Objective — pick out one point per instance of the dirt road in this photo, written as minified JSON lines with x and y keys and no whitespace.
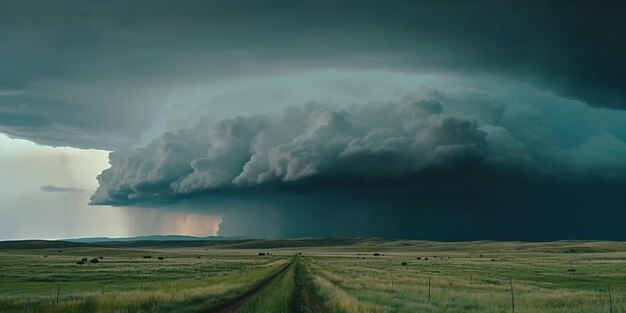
{"x":232,"y":305}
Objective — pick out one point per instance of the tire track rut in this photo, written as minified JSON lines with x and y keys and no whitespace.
{"x":232,"y":305}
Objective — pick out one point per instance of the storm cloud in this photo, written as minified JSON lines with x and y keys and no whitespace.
{"x":107,"y":64}
{"x":429,"y":129}
{"x":379,"y":141}
{"x":420,"y":119}
{"x":385,"y":168}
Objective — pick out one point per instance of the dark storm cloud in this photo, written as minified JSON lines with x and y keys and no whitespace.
{"x":4,"y":91}
{"x":445,"y":165}
{"x":62,"y":123}
{"x":375,"y":142}
{"x":50,"y":188}
{"x":466,"y":202}
{"x":453,"y":164}
{"x":108,"y":59}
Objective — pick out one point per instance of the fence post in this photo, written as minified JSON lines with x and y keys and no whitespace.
{"x":428,"y":289}
{"x":610,"y":298}
{"x":512,"y":297}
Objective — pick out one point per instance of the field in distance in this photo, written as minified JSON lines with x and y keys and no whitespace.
{"x":312,"y":275}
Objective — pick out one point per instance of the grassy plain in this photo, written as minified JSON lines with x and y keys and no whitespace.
{"x":125,"y":281}
{"x":353,"y":275}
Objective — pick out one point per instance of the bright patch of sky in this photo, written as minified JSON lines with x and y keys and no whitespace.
{"x":44,"y":193}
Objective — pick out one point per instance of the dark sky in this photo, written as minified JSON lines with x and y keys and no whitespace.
{"x":448,"y":120}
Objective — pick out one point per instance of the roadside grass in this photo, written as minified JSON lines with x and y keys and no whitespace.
{"x":181,"y":282}
{"x":547,"y":284}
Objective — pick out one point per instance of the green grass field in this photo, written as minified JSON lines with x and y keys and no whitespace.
{"x":356,"y":275}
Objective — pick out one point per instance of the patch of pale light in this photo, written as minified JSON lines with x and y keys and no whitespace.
{"x":193,"y":225}
{"x":146,"y":221}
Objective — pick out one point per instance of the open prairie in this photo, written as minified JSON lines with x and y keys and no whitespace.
{"x":313,"y":275}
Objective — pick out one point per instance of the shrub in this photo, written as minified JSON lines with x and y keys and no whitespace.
{"x":94,"y":260}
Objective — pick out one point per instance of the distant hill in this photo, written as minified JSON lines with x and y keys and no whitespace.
{"x":175,"y":241}
{"x":151,"y":238}
{"x":328,"y":244}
